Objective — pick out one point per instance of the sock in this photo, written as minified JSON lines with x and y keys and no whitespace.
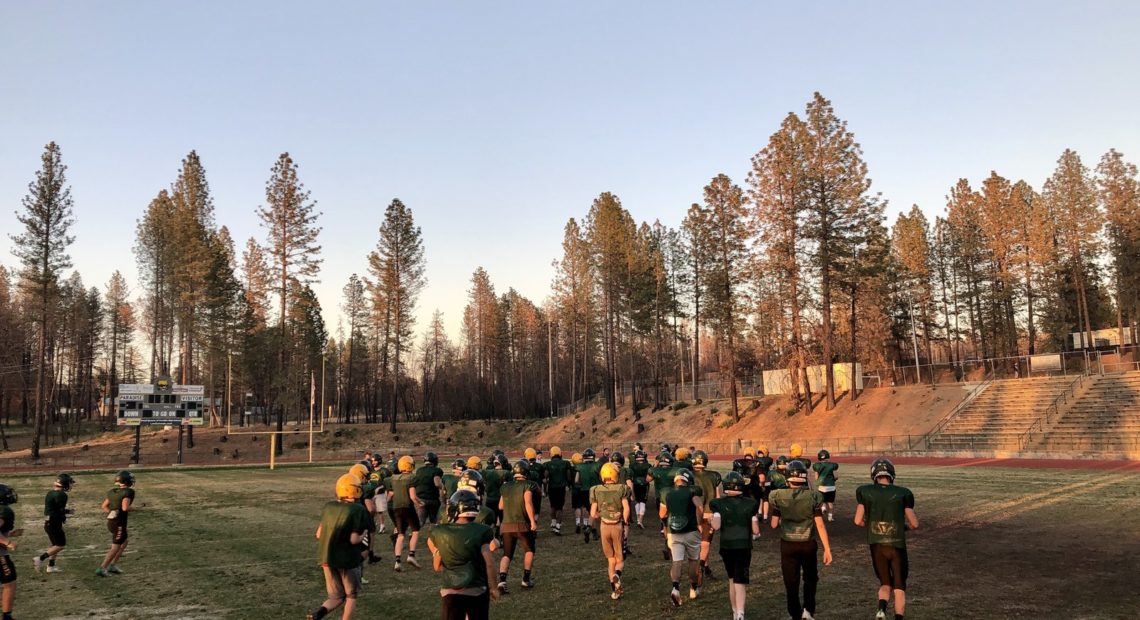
{"x":321,"y":612}
{"x":618,"y":573}
{"x":51,"y":562}
{"x":44,"y":556}
{"x":694,"y":585}
{"x":412,"y":553}
{"x":882,"y":604}
{"x":526,"y":575}
{"x":676,"y":585}
{"x":7,"y":615}
{"x":898,"y":617}
{"x":502,"y":577}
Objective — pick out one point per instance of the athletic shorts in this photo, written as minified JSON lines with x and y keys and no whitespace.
{"x":429,"y":513}
{"x":381,"y":502}
{"x":466,"y":607}
{"x":406,"y":518}
{"x":891,"y":565}
{"x":342,"y":583}
{"x":611,"y":536}
{"x":640,"y":493}
{"x":524,"y":539}
{"x":736,"y":563}
{"x":684,"y":546}
{"x":557,"y":498}
{"x":118,"y":529}
{"x":55,"y":533}
{"x":7,"y":569}
{"x":580,"y":499}
{"x":829,"y":496}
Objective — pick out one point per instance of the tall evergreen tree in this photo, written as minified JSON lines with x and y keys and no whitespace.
{"x":727,"y":232}
{"x":1120,"y":196}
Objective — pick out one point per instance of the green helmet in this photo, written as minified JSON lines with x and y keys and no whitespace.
{"x":459,"y":464}
{"x":125,"y":478}
{"x":588,"y":454}
{"x":664,"y":460}
{"x":432,"y":457}
{"x":685,"y":476}
{"x":882,"y":467}
{"x":463,"y":503}
{"x":619,"y":458}
{"x":501,"y":461}
{"x":781,"y":462}
{"x":733,"y":481}
{"x":472,"y":481}
{"x":824,"y":455}
{"x":64,"y":481}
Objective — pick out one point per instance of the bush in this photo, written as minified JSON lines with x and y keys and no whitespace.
{"x":714,"y":410}
{"x":660,"y":420}
{"x":679,"y":405}
{"x":727,"y":423}
{"x":614,"y":431}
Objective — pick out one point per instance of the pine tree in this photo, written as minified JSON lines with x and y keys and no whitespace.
{"x":695,"y":228}
{"x":118,"y":330}
{"x":911,"y":250}
{"x":42,"y":251}
{"x":355,"y":311}
{"x":727,"y":233}
{"x":1120,"y":197}
{"x":610,"y":233}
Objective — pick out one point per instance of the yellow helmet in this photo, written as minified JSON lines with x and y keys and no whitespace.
{"x":474,"y":462}
{"x":360,"y":471}
{"x":529,"y":454}
{"x":750,"y":451}
{"x":682,"y":453}
{"x":348,"y":487}
{"x":406,"y":464}
{"x":555,"y":451}
{"x":610,"y":472}
{"x":576,"y":458}
{"x":763,"y":451}
{"x":796,"y":451}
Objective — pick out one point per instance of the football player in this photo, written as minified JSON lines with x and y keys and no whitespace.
{"x":520,"y":525}
{"x":461,"y":551}
{"x":343,"y":525}
{"x":734,"y":516}
{"x":609,"y":505}
{"x":8,"y":531}
{"x":381,"y":475}
{"x":493,"y":482}
{"x":887,"y":510}
{"x":662,"y":474}
{"x":825,"y":478}
{"x":116,"y":506}
{"x":764,"y":465}
{"x":579,"y":498}
{"x":536,"y":474}
{"x":589,"y":476}
{"x":796,"y":511}
{"x":55,"y":514}
{"x":639,"y":481}
{"x":558,"y":475}
{"x":405,"y":503}
{"x":680,"y":508}
{"x":451,"y":480}
{"x":709,"y":483}
{"x":429,"y":487}
{"x":796,"y":452}
{"x":681,"y":458}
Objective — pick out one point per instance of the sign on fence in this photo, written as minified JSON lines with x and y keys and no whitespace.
{"x":1045,"y":363}
{"x":780,"y":381}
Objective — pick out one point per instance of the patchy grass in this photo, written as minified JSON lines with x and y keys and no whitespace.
{"x":239,"y":544}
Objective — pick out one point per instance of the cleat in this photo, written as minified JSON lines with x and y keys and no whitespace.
{"x":807,"y":616}
{"x":675,"y":597}
{"x":578,"y":529}
{"x":36,"y":561}
{"x":310,"y":616}
{"x":114,"y":570}
{"x":503,"y":588}
{"x":363,"y":580}
{"x":694,"y":593}
{"x":527,"y":583}
{"x":99,"y":572}
{"x":54,"y":569}
{"x":830,"y":516}
{"x":397,"y":567}
{"x":881,"y":615}
{"x":615,"y":583}
{"x":383,"y":528}
{"x":640,"y":525}
{"x":587,"y":536}
{"x":412,"y":560}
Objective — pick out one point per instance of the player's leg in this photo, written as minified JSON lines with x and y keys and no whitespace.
{"x":900,"y":567}
{"x":528,"y":539}
{"x":809,"y":560}
{"x":706,"y":544}
{"x":400,"y":528}
{"x":334,"y":587}
{"x":881,"y":564}
{"x":510,"y":541}
{"x":790,"y":569}
{"x":8,"y":579}
{"x":351,"y":579}
{"x":676,"y":552}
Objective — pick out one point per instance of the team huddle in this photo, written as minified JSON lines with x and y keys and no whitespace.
{"x":478,"y":510}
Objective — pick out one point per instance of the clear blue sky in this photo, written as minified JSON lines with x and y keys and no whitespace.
{"x":497,"y":121}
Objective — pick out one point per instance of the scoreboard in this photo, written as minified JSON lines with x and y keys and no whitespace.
{"x":162,"y":403}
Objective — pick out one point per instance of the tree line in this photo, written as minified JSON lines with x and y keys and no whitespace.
{"x":794,"y":267}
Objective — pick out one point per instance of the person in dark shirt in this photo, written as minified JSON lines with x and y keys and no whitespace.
{"x":339,"y":539}
{"x":8,"y":531}
{"x":117,"y":506}
{"x":461,"y":553}
{"x":887,"y":511}
{"x":55,"y":513}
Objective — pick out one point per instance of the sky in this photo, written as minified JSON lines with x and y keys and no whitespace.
{"x":496,"y":122}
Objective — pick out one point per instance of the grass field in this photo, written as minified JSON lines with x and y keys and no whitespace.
{"x":993,"y":543}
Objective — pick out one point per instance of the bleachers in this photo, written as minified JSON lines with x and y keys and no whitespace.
{"x":1106,"y":419}
{"x":997,"y":418}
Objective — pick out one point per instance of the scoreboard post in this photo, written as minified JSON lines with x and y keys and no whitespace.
{"x":162,"y":403}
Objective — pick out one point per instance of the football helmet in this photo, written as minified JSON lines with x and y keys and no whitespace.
{"x":588,"y":454}
{"x":610,"y":472}
{"x":530,"y":454}
{"x":700,"y":459}
{"x":348,"y":487}
{"x":796,"y":473}
{"x":619,"y":458}
{"x":681,"y":454}
{"x":474,"y":462}
{"x":521,"y":468}
{"x":64,"y":481}
{"x":502,"y":462}
{"x":823,"y":455}
{"x":781,"y":462}
{"x":576,"y":458}
{"x":406,"y":464}
{"x":125,"y":478}
{"x":555,"y":451}
{"x":733,"y":482}
{"x":796,"y":450}
{"x":459,"y":464}
{"x":432,"y":457}
{"x":882,"y":467}
{"x":472,"y":481}
{"x":8,"y":495}
{"x":463,"y":503}
{"x":683,"y":478}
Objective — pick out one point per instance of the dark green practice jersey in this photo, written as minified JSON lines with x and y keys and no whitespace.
{"x":460,"y":548}
{"x":514,"y":505}
{"x":401,"y":483}
{"x":826,"y":471}
{"x":339,"y":520}
{"x":558,"y":473}
{"x":884,"y":508}
{"x":425,"y":477}
{"x":684,"y":464}
{"x":776,"y":479}
{"x":736,"y":512}
{"x":638,"y":472}
{"x":493,"y":481}
{"x":660,"y":484}
{"x":9,"y":520}
{"x":797,"y":509}
{"x":708,"y":481}
{"x":681,"y":514}
{"x":536,"y":473}
{"x":609,"y":498}
{"x":764,"y":465}
{"x":805,"y":460}
{"x":55,"y":505}
{"x":450,"y":483}
{"x":116,"y":495}
{"x":589,"y":474}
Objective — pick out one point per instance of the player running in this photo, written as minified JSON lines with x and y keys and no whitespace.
{"x":520,"y":525}
{"x":343,"y":525}
{"x":429,"y":486}
{"x":734,"y":515}
{"x":609,"y":505}
{"x":116,"y":506}
{"x":579,"y":498}
{"x":825,"y":478}
{"x":887,"y":511}
{"x":639,"y":479}
{"x":493,"y":481}
{"x":589,"y":476}
{"x":709,"y":483}
{"x":796,"y":511}
{"x":536,"y":474}
{"x":405,"y":503}
{"x":558,"y":477}
{"x":8,"y":531}
{"x":461,"y":552}
{"x":458,"y":466}
{"x":680,"y":508}
{"x":380,"y":477}
{"x":55,"y":514}
{"x":764,"y":464}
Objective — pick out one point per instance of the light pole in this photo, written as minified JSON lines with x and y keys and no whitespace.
{"x":229,"y":387}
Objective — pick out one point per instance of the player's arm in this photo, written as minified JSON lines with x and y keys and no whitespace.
{"x":755,"y":526}
{"x":775,"y":514}
{"x":528,"y":503}
{"x":822,"y":527}
{"x":661,"y":509}
{"x":502,"y":506}
{"x":860,"y":512}
{"x":125,"y":505}
{"x":593,"y":509}
{"x":625,"y":510}
{"x":105,"y":506}
{"x":699,"y":502}
{"x":415,"y":499}
{"x":911,"y":518}
{"x":356,"y":537}
{"x":491,"y":566}
{"x":436,"y":561}
{"x":439,"y":485}
{"x":370,"y":506}
{"x":714,"y":520}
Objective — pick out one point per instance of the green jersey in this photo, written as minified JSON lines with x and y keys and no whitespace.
{"x":425,"y":477}
{"x":826,"y":471}
{"x":638,"y":472}
{"x":558,"y":473}
{"x":460,"y":548}
{"x":764,"y":465}
{"x":55,"y":506}
{"x":450,"y":483}
{"x":493,"y":481}
{"x":680,"y":513}
{"x":797,"y":509}
{"x":116,"y":496}
{"x":486,"y":516}
{"x":537,"y":472}
{"x":661,"y":482}
{"x":589,"y":474}
{"x":708,"y":481}
{"x":884,"y":507}
{"x":401,"y":484}
{"x":736,"y":513}
{"x":7,"y":523}
{"x":684,"y":464}
{"x":610,"y":499}
{"x":339,"y":521}
{"x":514,"y":505}
{"x":777,"y":480}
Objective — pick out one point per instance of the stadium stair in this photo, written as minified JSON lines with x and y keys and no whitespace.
{"x":998,"y":417}
{"x":1104,"y":420}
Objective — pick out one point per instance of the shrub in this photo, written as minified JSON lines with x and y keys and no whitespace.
{"x":727,"y":423}
{"x":614,"y":431}
{"x":679,"y":405}
{"x":714,"y":410}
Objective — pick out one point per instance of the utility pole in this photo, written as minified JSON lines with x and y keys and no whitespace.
{"x":550,"y":361}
